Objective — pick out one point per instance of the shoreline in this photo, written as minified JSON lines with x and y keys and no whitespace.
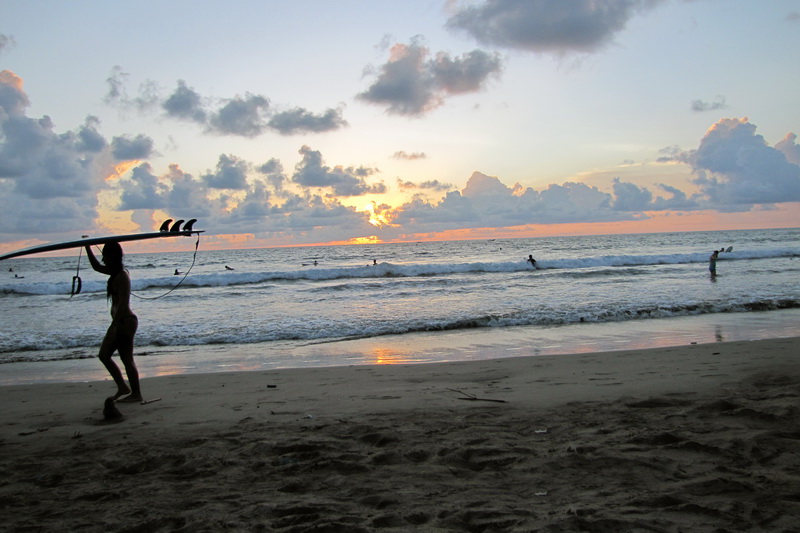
{"x":699,"y":437}
{"x":423,"y":347}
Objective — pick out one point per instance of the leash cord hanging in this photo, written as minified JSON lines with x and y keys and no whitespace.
{"x":76,"y":279}
{"x":194,"y":258}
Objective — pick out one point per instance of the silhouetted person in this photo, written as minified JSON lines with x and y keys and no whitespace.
{"x":124,"y":322}
{"x":712,"y":263}
{"x":532,"y":261}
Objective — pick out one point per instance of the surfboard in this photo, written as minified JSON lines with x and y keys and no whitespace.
{"x":165,"y":231}
{"x":729,"y":249}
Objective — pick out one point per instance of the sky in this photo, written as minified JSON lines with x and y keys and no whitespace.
{"x":306,"y":122}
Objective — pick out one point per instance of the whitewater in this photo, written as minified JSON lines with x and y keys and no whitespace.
{"x":272,"y":304}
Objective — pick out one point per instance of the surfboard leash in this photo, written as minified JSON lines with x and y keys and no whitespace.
{"x":76,"y":279}
{"x":194,"y":258}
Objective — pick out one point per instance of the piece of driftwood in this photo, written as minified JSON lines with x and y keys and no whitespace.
{"x":473,"y":398}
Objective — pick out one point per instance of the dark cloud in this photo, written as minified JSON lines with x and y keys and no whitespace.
{"x":44,"y":164}
{"x":465,"y":74}
{"x":89,"y":138}
{"x":299,"y":120}
{"x":409,"y":157}
{"x":143,"y":190}
{"x":552,"y":26}
{"x":629,"y":197}
{"x":184,"y":103}
{"x":700,"y":106}
{"x":411,"y":84}
{"x":231,"y":173}
{"x":735,"y":167}
{"x":312,"y":172}
{"x":129,"y":149}
{"x":173,"y":192}
{"x":273,"y":170}
{"x":431,"y":185}
{"x":246,"y":116}
{"x":48,"y":180}
{"x":256,"y":207}
{"x":677,"y":200}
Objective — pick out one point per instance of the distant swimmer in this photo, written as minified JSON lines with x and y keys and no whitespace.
{"x":374,"y":261}
{"x":177,"y":272}
{"x":532,"y":261}
{"x":712,"y":263}
{"x":228,"y":268}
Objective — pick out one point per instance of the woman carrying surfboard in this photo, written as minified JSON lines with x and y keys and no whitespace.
{"x":124,"y":322}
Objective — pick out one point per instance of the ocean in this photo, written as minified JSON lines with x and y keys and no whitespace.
{"x":255,"y":309}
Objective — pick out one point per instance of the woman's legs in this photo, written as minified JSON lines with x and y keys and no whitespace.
{"x":107,"y":349}
{"x":120,"y":338}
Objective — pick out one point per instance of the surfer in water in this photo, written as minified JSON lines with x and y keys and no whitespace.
{"x":124,"y":322}
{"x":712,"y":263}
{"x":532,"y":261}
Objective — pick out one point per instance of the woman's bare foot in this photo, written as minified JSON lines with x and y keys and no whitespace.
{"x":131,"y":398}
{"x":121,"y":391}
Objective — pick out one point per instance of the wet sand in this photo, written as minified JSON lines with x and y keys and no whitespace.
{"x":699,"y":437}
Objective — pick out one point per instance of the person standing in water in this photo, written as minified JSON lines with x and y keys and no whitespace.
{"x":124,"y":322}
{"x":532,"y":261}
{"x":712,"y":263}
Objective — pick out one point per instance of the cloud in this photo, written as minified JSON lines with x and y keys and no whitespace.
{"x":185,"y":104}
{"x":231,"y":173}
{"x":248,"y":116}
{"x":300,"y":120}
{"x":789,"y":148}
{"x":125,"y":148}
{"x":6,"y":42}
{"x":146,"y":99}
{"x":629,"y":197}
{"x":53,"y":176}
{"x":273,"y":170}
{"x":547,"y":26}
{"x":256,"y":207}
{"x":409,"y":157}
{"x":700,"y":106}
{"x":143,"y":190}
{"x":736,"y":167}
{"x":89,"y":138}
{"x":486,"y":201}
{"x":174,"y":192}
{"x":431,"y":185}
{"x":311,"y":172}
{"x":410,"y":84}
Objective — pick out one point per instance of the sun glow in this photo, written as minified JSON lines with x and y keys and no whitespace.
{"x":376,"y":217}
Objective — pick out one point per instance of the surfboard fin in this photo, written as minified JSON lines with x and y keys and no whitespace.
{"x":176,"y":227}
{"x":188,"y":225}
{"x":165,"y":225}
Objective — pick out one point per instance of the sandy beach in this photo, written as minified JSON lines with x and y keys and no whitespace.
{"x":699,"y":437}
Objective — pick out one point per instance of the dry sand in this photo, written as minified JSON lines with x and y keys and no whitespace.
{"x":692,"y":438}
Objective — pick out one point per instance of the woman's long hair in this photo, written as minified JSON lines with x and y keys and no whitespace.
{"x":112,"y":258}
